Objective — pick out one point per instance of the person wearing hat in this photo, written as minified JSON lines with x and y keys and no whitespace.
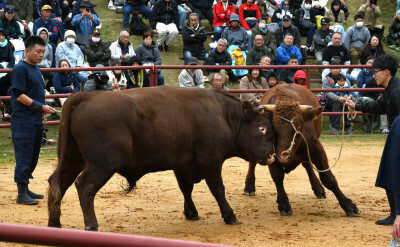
{"x":286,"y":28}
{"x":70,"y":51}
{"x":23,"y":14}
{"x":84,"y":24}
{"x":55,"y":7}
{"x":357,"y":36}
{"x":9,"y":23}
{"x":97,"y":51}
{"x":322,"y":37}
{"x":235,"y":34}
{"x":194,"y":35}
{"x":268,"y":36}
{"x":191,"y":77}
{"x":136,"y":77}
{"x":7,"y":60}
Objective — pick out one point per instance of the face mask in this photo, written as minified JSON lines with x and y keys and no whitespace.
{"x":262,"y":25}
{"x":70,"y":41}
{"x":95,"y":40}
{"x":4,"y":43}
{"x":359,"y":24}
{"x":307,"y":6}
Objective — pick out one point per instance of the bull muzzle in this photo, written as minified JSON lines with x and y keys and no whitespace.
{"x":271,"y":159}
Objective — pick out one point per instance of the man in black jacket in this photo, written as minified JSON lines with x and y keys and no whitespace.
{"x":385,"y":69}
{"x":194,"y":35}
{"x":165,"y":22}
{"x":285,"y":29}
{"x":322,"y":37}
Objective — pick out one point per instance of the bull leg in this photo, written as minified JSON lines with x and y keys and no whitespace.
{"x":278,"y":175}
{"x":250,"y":185}
{"x":217,"y":188}
{"x":186,"y":187}
{"x":87,"y":185}
{"x":329,"y":181}
{"x":316,"y":185}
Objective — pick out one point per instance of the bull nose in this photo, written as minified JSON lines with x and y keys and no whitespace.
{"x":271,"y":159}
{"x":284,"y":157}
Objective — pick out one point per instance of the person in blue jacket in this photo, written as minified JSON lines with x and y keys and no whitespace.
{"x":286,"y":49}
{"x":66,"y":81}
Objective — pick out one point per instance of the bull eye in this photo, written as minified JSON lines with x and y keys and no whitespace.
{"x":262,"y":129}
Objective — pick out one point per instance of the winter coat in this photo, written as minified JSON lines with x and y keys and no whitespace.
{"x":12,"y":29}
{"x":332,"y":51}
{"x":370,"y":16}
{"x":305,"y":19}
{"x":281,"y":32}
{"x":329,"y":82}
{"x":51,"y":26}
{"x":23,"y":10}
{"x":97,"y":53}
{"x":320,"y":35}
{"x":246,"y":83}
{"x":342,"y":94}
{"x":72,"y":53}
{"x":165,"y":12}
{"x":283,"y":53}
{"x":194,"y":44}
{"x":395,"y":27}
{"x":255,"y":54}
{"x":221,"y":15}
{"x":280,"y":13}
{"x":148,"y":54}
{"x":356,"y":37}
{"x":7,"y":55}
{"x":116,"y":51}
{"x":341,"y":18}
{"x":189,"y":78}
{"x":221,"y":58}
{"x":371,"y":52}
{"x":62,"y":82}
{"x":238,"y":37}
{"x":246,"y":11}
{"x":84,"y":27}
{"x":287,"y":75}
{"x":48,"y":52}
{"x":269,"y":38}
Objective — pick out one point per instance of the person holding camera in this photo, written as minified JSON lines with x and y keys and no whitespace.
{"x":99,"y":80}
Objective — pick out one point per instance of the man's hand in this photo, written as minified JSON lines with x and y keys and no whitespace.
{"x":57,"y":19}
{"x":122,"y":57}
{"x":341,"y":100}
{"x":72,"y":88}
{"x":25,"y":25}
{"x":48,"y":109}
{"x":396,"y":228}
{"x":350,"y":104}
{"x":192,"y":35}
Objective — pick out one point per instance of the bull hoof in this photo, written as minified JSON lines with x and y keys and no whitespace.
{"x":286,"y":212}
{"x":320,"y":195}
{"x":249,"y":193}
{"x":91,"y":228}
{"x":54,"y":223}
{"x":249,"y":190}
{"x":353,"y":211}
{"x":232,"y":220}
{"x":349,"y":207}
{"x":190,"y":215}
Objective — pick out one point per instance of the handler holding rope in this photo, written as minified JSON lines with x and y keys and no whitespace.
{"x":385,"y":68}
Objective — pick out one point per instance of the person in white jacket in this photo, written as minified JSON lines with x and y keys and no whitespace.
{"x":70,"y":51}
{"x":191,"y":77}
{"x":122,"y":49}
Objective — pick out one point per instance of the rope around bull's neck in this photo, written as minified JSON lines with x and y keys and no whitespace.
{"x":350,"y":115}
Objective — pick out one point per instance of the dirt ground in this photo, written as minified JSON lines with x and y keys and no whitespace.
{"x":155,"y":207}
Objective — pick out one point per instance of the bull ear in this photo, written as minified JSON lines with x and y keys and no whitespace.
{"x":248,"y":111}
{"x":312,"y":114}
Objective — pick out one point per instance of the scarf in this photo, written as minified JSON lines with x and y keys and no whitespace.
{"x":139,"y":77}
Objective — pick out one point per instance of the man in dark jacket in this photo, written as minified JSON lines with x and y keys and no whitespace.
{"x":220,"y":56}
{"x":385,"y":69}
{"x":165,"y":22}
{"x":258,"y":51}
{"x":204,"y":9}
{"x":285,"y":29}
{"x":194,"y":35}
{"x":269,"y":37}
{"x":97,"y":51}
{"x":322,"y":37}
{"x":306,"y":22}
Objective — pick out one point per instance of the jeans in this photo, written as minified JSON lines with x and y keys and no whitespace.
{"x":146,"y":11}
{"x":188,"y":54}
{"x":27,"y":138}
{"x":82,"y":77}
{"x":182,"y":17}
{"x":218,"y":32}
{"x":249,"y":41}
{"x":309,"y":33}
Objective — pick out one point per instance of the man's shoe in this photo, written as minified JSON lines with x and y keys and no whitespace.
{"x":23,"y":197}
{"x":385,"y":131}
{"x":349,"y":131}
{"x":387,"y":221}
{"x":166,"y":48}
{"x":33,"y":195}
{"x":334,"y":130}
{"x":160,"y":48}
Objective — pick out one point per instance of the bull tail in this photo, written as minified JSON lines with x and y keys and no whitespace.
{"x":67,"y":170}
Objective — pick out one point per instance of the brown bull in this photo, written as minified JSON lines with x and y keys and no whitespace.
{"x":288,"y":116}
{"x":139,"y":131}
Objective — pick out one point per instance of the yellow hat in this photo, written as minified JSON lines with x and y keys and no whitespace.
{"x":47,"y":7}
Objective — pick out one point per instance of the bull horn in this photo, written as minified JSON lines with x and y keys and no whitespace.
{"x":305,"y":107}
{"x":268,"y":107}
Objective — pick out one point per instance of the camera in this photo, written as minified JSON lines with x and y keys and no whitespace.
{"x":87,"y":10}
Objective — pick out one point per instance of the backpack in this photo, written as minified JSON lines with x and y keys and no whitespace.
{"x":137,"y":26}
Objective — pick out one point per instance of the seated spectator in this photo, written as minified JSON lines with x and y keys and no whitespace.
{"x":253,"y":80}
{"x":319,"y":7}
{"x":286,"y":49}
{"x":365,"y":75}
{"x":55,"y":14}
{"x":357,"y":36}
{"x":306,"y":22}
{"x":97,"y":51}
{"x":217,"y":83}
{"x":272,"y":80}
{"x":117,"y":77}
{"x":322,"y":37}
{"x":148,"y":54}
{"x":136,"y":77}
{"x":222,"y":14}
{"x":165,"y":22}
{"x":24,"y":15}
{"x":84,"y":24}
{"x":373,"y":48}
{"x":191,"y":77}
{"x":122,"y":49}
{"x":281,"y":11}
{"x":7,"y":60}
{"x":258,"y":51}
{"x":66,"y":6}
{"x":249,"y":13}
{"x":300,"y":78}
{"x":287,"y":75}
{"x":393,"y":37}
{"x":220,"y":56}
{"x":371,"y":11}
{"x":342,"y":82}
{"x":269,"y":37}
{"x":204,"y":9}
{"x":47,"y":58}
{"x":194,"y":35}
{"x":68,"y":50}
{"x":14,"y":35}
{"x":335,"y":101}
{"x":98,"y":81}
{"x":65,"y":81}
{"x":235,"y":34}
{"x":337,"y":17}
{"x":77,"y":4}
{"x":266,"y":61}
{"x":130,"y":6}
{"x":287,"y":28}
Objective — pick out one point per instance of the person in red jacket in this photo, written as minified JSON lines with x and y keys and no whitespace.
{"x":300,"y":78}
{"x":249,"y":13}
{"x":222,"y":14}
